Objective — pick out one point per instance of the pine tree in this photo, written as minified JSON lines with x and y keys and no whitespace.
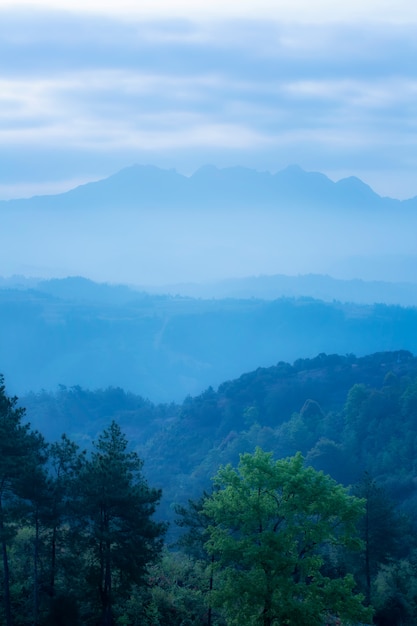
{"x":117,"y":505}
{"x":21,"y":461}
{"x":62,"y":563}
{"x":386,"y":533}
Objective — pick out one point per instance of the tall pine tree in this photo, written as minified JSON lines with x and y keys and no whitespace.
{"x":21,"y":462}
{"x":117,"y":505}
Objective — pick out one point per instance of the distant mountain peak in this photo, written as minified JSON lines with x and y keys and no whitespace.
{"x":293,"y":168}
{"x":204,"y":172}
{"x":354,"y":183}
{"x":148,"y":186}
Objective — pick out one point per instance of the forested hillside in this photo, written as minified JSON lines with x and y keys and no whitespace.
{"x":348,"y":414}
{"x":354,"y":418}
{"x":75,"y":332}
{"x":208,"y":313}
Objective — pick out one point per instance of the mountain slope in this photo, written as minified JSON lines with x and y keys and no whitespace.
{"x":166,"y":347}
{"x":314,"y":286}
{"x":147,"y":226}
{"x":235,"y":187}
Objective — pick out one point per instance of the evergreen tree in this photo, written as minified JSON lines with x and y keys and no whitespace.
{"x":117,"y":505}
{"x":21,"y":461}
{"x":195,"y":520}
{"x":386,"y":534}
{"x":62,"y":561}
{"x":33,"y":489}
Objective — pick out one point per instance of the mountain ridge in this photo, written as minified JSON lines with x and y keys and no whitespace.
{"x":74,"y":332}
{"x":148,"y":186}
{"x":318,"y":286}
{"x":148,"y":226}
{"x":265,"y":287}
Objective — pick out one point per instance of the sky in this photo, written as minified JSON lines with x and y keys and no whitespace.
{"x":90,"y":87}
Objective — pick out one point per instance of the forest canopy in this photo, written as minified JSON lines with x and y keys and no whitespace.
{"x":84,"y":516}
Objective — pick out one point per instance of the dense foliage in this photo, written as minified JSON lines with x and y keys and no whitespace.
{"x":81,"y":532}
{"x":271,"y":523}
{"x":76,"y":532}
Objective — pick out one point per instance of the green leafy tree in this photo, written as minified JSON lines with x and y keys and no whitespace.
{"x":117,"y":505}
{"x":173,"y":595}
{"x":271,"y":521}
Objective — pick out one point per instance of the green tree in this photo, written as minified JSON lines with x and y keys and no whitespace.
{"x":271,"y":521}
{"x":117,"y":505}
{"x":32,"y":487}
{"x":386,"y":534}
{"x":62,"y":561}
{"x":194,"y":519}
{"x":173,"y":594}
{"x":395,"y":593}
{"x":21,"y":473}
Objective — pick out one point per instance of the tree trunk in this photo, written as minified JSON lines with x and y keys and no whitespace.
{"x":6,"y":574}
{"x":266,"y":620}
{"x":53,"y":562}
{"x":106,"y":590}
{"x":266,"y":613}
{"x":367,"y":556}
{"x":35,"y":572}
{"x":107,"y":617}
{"x":210,"y":590}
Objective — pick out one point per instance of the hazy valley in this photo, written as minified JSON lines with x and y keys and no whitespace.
{"x":201,"y":331}
{"x":208,"y":313}
{"x":146,"y":226}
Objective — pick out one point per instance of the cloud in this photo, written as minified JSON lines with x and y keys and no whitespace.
{"x":87,"y":91}
{"x":319,"y":11}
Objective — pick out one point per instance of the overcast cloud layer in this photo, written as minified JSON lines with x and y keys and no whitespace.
{"x":86,"y":92}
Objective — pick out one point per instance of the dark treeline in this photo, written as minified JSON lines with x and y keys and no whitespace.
{"x":82,"y":532}
{"x":76,"y":530}
{"x":347,"y":415}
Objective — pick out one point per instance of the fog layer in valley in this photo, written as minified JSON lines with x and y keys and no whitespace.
{"x":147,"y":237}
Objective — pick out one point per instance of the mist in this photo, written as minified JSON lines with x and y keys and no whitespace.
{"x":156,"y":247}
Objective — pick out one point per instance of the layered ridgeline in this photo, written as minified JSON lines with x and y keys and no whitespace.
{"x":74,"y":332}
{"x":145,"y":225}
{"x":353,"y":418}
{"x":347,"y":415}
{"x":150,"y":187}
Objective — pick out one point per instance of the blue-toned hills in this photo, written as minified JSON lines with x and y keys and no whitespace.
{"x":150,"y":187}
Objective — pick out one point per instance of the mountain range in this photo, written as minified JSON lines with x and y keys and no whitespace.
{"x":315,"y":286}
{"x":147,"y":186}
{"x":145,"y":226}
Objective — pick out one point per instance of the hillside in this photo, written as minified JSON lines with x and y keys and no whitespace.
{"x":352,"y":418}
{"x":77,"y":333}
{"x":315,"y":286}
{"x":347,"y":414}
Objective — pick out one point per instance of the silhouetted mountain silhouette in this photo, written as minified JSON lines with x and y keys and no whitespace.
{"x":146,"y":186}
